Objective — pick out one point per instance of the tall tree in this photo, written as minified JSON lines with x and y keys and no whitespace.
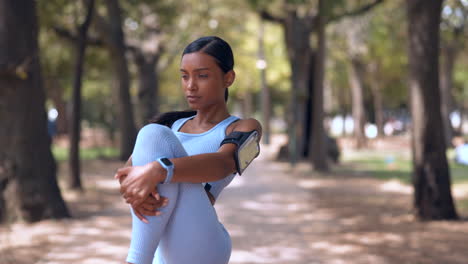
{"x":28,"y":185}
{"x":431,"y":175}
{"x":454,"y":23}
{"x":112,"y":34}
{"x":299,"y":22}
{"x":265,"y":90}
{"x":319,"y":138}
{"x":74,"y":179}
{"x":356,"y":33}
{"x":377,"y":99}
{"x":147,"y":38}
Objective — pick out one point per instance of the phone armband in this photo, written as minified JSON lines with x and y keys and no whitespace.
{"x":247,"y":149}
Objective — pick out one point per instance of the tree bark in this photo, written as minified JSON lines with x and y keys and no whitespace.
{"x":113,"y":37}
{"x":28,"y":184}
{"x":318,"y":149}
{"x":377,"y":98}
{"x":265,"y":90}
{"x":297,"y":33}
{"x":356,"y":74}
{"x":431,"y":175}
{"x":74,"y":178}
{"x":148,"y":86}
{"x":449,"y":53}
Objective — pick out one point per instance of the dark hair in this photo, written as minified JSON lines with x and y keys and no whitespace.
{"x":218,"y":49}
{"x":221,"y":52}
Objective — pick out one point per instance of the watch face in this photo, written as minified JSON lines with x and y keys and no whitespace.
{"x":166,"y":161}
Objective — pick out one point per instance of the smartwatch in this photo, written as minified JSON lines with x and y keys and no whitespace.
{"x":169,"y":166}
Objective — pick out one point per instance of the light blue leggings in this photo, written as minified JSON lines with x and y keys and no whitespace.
{"x":188,"y":230}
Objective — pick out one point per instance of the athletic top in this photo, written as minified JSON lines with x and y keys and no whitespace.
{"x":206,"y":142}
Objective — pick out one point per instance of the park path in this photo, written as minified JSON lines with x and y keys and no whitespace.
{"x":274,"y":215}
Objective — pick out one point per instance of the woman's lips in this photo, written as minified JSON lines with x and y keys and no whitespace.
{"x":192,"y":99}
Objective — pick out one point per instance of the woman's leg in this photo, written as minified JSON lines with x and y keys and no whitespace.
{"x":153,"y":142}
{"x":194,"y":234}
{"x":188,"y":228}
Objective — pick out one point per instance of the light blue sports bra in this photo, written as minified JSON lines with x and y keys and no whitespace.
{"x":206,"y":142}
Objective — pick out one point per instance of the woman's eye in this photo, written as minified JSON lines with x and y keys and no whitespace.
{"x":203,"y":75}
{"x":184,"y":77}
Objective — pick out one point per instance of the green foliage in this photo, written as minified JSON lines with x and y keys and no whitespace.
{"x":61,"y":153}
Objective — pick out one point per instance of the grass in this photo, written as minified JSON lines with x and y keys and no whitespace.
{"x":61,"y":153}
{"x":397,"y":166}
{"x":394,"y":165}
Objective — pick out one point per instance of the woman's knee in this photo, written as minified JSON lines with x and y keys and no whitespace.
{"x":153,"y":130}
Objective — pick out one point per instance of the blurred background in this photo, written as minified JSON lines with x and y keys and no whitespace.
{"x":373,"y":88}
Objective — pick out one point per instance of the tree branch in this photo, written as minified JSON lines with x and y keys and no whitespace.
{"x":356,"y":12}
{"x":73,"y":38}
{"x":270,"y":17}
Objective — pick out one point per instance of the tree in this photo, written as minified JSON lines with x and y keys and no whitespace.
{"x":356,"y":38}
{"x":319,"y":137}
{"x":149,"y":27}
{"x":431,"y":175}
{"x":299,"y":21}
{"x":111,"y":32}
{"x":455,"y":18}
{"x":28,"y":185}
{"x":74,"y":179}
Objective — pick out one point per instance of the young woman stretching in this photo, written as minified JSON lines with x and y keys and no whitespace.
{"x":186,"y":228}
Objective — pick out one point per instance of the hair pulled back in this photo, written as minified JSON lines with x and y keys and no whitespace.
{"x":216,"y":48}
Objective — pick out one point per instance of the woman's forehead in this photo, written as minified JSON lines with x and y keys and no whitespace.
{"x":197,"y":60}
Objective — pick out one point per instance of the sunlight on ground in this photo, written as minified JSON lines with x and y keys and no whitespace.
{"x":335,"y":249}
{"x":396,"y":186}
{"x":272,"y":254}
{"x":375,"y":238}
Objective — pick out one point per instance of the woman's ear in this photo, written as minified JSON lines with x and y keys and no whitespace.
{"x":229,"y":78}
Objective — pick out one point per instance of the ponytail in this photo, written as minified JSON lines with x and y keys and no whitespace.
{"x":167,"y":119}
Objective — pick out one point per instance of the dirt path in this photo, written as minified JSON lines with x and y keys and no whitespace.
{"x":274,"y":215}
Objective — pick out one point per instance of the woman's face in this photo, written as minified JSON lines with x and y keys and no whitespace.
{"x":203,"y":80}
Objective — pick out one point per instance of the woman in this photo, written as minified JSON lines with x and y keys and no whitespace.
{"x":186,"y":230}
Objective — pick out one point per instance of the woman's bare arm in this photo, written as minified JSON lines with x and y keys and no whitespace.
{"x":200,"y":168}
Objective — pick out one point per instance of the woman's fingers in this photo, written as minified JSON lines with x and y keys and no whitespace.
{"x":122,"y":172}
{"x":140,"y":216}
{"x":156,"y":195}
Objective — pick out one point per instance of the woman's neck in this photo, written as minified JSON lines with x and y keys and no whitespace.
{"x":212,"y":115}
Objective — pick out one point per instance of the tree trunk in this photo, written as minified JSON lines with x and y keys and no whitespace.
{"x":431,"y":175}
{"x":297,"y":33}
{"x":113,"y":36}
{"x":74,"y":178}
{"x":265,"y":90}
{"x":377,"y":98}
{"x":356,"y":75}
{"x":148,"y":104}
{"x":449,"y":53}
{"x":309,"y":107}
{"x":247,"y":104}
{"x":318,"y":149}
{"x":28,"y":185}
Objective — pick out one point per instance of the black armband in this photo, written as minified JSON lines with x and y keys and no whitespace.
{"x":247,"y":149}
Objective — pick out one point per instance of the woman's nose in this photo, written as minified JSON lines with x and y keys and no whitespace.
{"x":191,"y":84}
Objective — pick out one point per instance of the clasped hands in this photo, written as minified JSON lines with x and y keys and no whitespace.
{"x":138,"y":188}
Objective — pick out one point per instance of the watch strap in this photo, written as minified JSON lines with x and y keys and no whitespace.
{"x":169,"y":169}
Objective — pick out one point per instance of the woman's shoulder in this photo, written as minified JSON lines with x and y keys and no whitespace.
{"x":245,"y":125}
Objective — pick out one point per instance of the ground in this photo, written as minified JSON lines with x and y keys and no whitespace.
{"x":274,"y":214}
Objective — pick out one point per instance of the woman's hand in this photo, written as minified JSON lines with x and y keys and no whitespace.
{"x":139,"y":181}
{"x":150,"y":207}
